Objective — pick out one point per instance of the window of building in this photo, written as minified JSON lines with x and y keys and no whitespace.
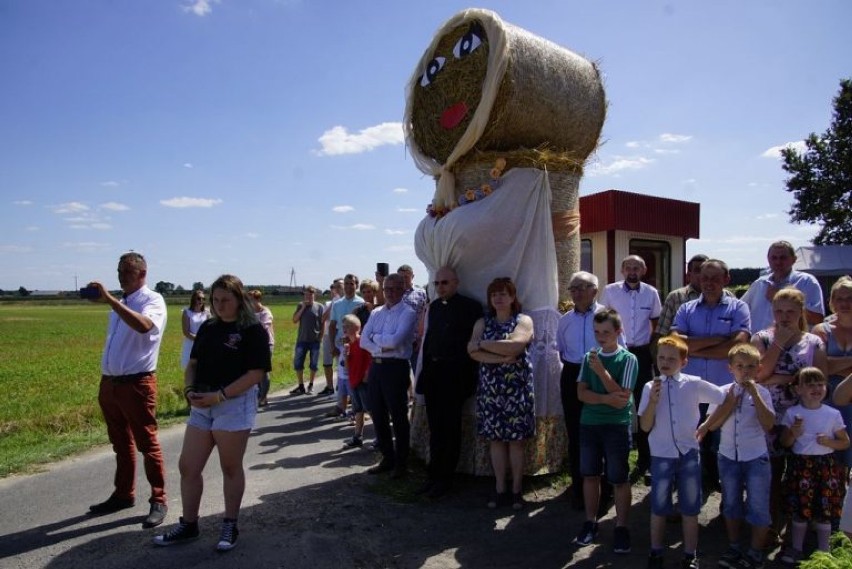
{"x":657,"y":256}
{"x":586,"y":255}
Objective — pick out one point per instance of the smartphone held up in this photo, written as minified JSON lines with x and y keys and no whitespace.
{"x":90,"y":293}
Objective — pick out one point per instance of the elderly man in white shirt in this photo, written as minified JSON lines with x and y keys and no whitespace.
{"x":389,"y":336}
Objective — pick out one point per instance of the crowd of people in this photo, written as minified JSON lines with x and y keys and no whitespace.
{"x":751,"y":397}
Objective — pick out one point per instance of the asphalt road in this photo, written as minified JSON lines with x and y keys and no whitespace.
{"x":308,"y":503}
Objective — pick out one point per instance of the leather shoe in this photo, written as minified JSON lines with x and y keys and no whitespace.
{"x":112,"y":504}
{"x":383,"y":466}
{"x":156,"y":515}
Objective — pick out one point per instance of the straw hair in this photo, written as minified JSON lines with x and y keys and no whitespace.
{"x":533,"y":94}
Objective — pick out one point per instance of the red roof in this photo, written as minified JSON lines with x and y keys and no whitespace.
{"x":617,"y":209}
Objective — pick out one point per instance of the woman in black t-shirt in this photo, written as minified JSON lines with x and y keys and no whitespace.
{"x":229,"y":358}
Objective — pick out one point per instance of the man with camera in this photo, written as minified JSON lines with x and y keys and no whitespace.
{"x":128,"y":389}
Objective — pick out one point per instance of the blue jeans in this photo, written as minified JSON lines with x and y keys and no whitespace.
{"x":605,"y":441}
{"x":687,"y":469}
{"x":301,"y":351}
{"x":753,"y":476}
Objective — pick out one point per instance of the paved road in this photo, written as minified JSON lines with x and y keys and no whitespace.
{"x":307,"y":504}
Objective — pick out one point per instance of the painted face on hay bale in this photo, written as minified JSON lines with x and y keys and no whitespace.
{"x":449,"y":89}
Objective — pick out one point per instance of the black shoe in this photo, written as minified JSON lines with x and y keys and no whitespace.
{"x":587,"y":534}
{"x":497,"y":499}
{"x":438,"y":490}
{"x":384,"y":466}
{"x":112,"y":504}
{"x":310,"y":388}
{"x":156,"y":515}
{"x":689,"y":562}
{"x":298,"y":390}
{"x":326,"y":391}
{"x":518,"y":501}
{"x":182,"y":533}
{"x":228,"y":536}
{"x":621,"y":540}
{"x":354,"y":442}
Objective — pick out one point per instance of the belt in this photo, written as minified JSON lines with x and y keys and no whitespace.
{"x":388,"y":360}
{"x":129,"y":378}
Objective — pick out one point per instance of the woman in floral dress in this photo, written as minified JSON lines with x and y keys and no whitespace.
{"x":505,"y":410}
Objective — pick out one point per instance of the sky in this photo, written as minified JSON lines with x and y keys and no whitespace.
{"x":263,"y":138}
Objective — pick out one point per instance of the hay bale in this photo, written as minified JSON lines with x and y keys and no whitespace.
{"x":489,"y":86}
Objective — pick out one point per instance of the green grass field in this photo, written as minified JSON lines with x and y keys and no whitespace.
{"x":50,"y":354}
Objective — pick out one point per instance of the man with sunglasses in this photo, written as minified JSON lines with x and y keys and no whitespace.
{"x":447,"y":377}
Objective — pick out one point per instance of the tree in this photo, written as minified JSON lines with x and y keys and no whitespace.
{"x":198,"y":285}
{"x":23,"y":291}
{"x":164,"y":287}
{"x":821,"y":177}
{"x":179,"y":289}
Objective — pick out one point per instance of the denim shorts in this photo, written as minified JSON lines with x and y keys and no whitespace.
{"x":605,"y":441}
{"x":235,"y":414}
{"x":754,"y":477}
{"x":360,"y":398}
{"x":301,"y":351}
{"x":686,"y":469}
{"x":343,"y":388}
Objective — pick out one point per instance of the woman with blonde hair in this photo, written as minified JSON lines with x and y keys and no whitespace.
{"x":836,"y":332}
{"x":785,"y":348}
{"x":228,"y":360}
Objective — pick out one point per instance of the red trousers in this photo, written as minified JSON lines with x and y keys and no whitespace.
{"x":130,"y":412}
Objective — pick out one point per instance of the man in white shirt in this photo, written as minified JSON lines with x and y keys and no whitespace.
{"x":781,"y":258}
{"x":639,"y":306}
{"x":128,"y":390}
{"x":389,"y":336}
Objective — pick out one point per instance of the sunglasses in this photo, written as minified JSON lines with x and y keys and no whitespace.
{"x":440,"y":283}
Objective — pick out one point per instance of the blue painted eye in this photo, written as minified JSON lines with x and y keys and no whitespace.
{"x":432,"y":70}
{"x":469,"y":42}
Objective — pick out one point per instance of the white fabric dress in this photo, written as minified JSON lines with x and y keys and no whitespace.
{"x":195,"y":321}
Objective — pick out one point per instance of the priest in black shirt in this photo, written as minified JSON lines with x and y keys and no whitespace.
{"x":447,"y":378}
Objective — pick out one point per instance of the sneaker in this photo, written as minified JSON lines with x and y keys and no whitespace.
{"x":310,"y":388}
{"x":181,"y":533}
{"x":730,"y":559}
{"x":655,"y":561}
{"x":354,"y":442}
{"x":689,"y":562}
{"x":517,"y":500}
{"x":299,"y":390}
{"x":587,"y":535}
{"x":228,"y":536}
{"x":791,"y":556}
{"x":156,"y":515}
{"x":748,"y":562}
{"x":497,"y":499}
{"x":336,"y":412}
{"x":621,"y":540}
{"x":326,"y":391}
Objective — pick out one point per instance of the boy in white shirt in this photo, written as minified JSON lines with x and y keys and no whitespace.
{"x":669,"y":413}
{"x":745,"y":418}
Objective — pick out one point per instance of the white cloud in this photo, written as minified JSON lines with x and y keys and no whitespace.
{"x":114,"y":206}
{"x":400,"y":190}
{"x":633,"y":144}
{"x":690,"y":181}
{"x":190,"y":202}
{"x":357,"y":227}
{"x":767,"y":216}
{"x":70,"y":207}
{"x":666,"y":151}
{"x":252,"y":235}
{"x":85,"y":246}
{"x":395,"y":232}
{"x":338,"y":140}
{"x":200,"y":7}
{"x":31,"y":228}
{"x":342,"y":208}
{"x":187,"y":165}
{"x":775,"y":152}
{"x":674,"y":138}
{"x":99,"y":225}
{"x":110,"y":184}
{"x":22,"y":202}
{"x":408,"y":209}
{"x":15,"y":249}
{"x":618,"y":164}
